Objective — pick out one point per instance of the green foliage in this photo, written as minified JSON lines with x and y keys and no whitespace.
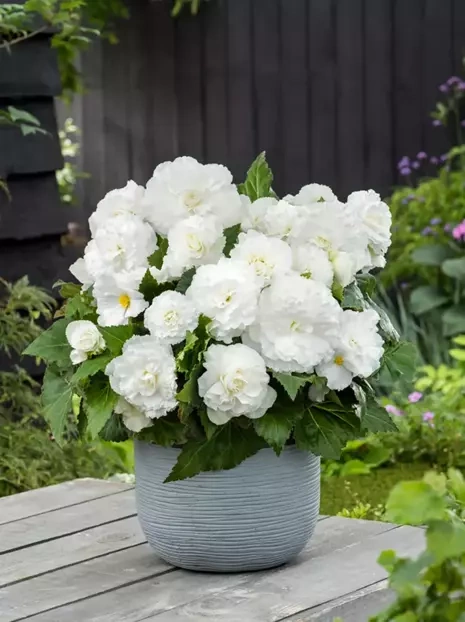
{"x":52,"y":345}
{"x":25,"y":121}
{"x":179,"y":5}
{"x":57,"y":396}
{"x":277,"y":424}
{"x":69,"y":175}
{"x":100,"y":400}
{"x":259,"y":178}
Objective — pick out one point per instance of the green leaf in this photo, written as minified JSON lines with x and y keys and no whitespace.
{"x":23,"y":116}
{"x":52,"y":345}
{"x":277,"y":424}
{"x":457,"y":354}
{"x":165,"y":431}
{"x":77,"y":307}
{"x":228,"y":446}
{"x":231,"y":234}
{"x":100,"y":402}
{"x":454,"y":268}
{"x":116,"y":336}
{"x":354,"y":467}
{"x":185,"y":281}
{"x":91,"y":367}
{"x":208,"y":427}
{"x":353,"y":298}
{"x":150,"y":288}
{"x":426,"y":298}
{"x":183,"y":360}
{"x":460,"y":340}
{"x":291,"y":384}
{"x":325,"y":429}
{"x":259,"y":179}
{"x":189,"y":394}
{"x":453,"y":320}
{"x":156,"y":258}
{"x":432,"y":254}
{"x":375,"y":418}
{"x":367,"y":284}
{"x":56,"y":401}
{"x":68,"y":290}
{"x":400,"y":361}
{"x":114,"y":430}
{"x":415,"y":503}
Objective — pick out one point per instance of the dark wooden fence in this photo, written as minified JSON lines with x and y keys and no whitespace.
{"x":335,"y":91}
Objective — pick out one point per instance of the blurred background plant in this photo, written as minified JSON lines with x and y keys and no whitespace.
{"x":69,"y":175}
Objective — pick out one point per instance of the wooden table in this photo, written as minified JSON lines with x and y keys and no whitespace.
{"x":75,"y":553}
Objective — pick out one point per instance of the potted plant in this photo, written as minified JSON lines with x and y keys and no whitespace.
{"x":233,"y":336}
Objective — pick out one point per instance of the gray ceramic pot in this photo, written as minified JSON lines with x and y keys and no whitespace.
{"x":259,"y":515}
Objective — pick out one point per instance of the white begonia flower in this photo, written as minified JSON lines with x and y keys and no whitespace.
{"x":296,"y":320}
{"x":267,"y":256}
{"x":357,"y":349}
{"x":311,"y":193}
{"x":283,"y":220}
{"x":125,"y":243}
{"x":133,"y":418}
{"x":374,"y":218}
{"x":184,"y":188}
{"x":254,"y":212}
{"x":118,"y":297}
{"x":170,"y":316}
{"x":235,"y":383}
{"x":227,"y":293}
{"x":191,"y":242}
{"x":313,"y":262}
{"x":79,"y":270}
{"x":119,"y":202}
{"x":85,"y":340}
{"x":145,"y":375}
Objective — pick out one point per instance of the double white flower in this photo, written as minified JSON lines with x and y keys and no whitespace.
{"x":85,"y":340}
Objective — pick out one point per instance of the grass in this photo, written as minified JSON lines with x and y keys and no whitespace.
{"x":338,"y":493}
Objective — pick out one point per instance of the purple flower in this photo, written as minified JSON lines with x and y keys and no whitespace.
{"x":428,"y":416}
{"x":404,"y":161}
{"x":434,"y":160}
{"x":448,"y":227}
{"x":461,"y":86}
{"x":405,"y":201}
{"x":404,"y":285}
{"x":437,"y":123}
{"x":405,"y":171}
{"x":415,"y":164}
{"x":427,"y":231}
{"x":459,"y":232}
{"x":393,"y":410}
{"x":415,"y":397}
{"x":421,"y":155}
{"x":452,"y":80}
{"x":435,"y":221}
{"x":444,"y":157}
{"x":444,"y":88}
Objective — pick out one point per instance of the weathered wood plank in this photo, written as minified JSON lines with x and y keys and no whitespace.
{"x":70,"y":550}
{"x":33,"y":209}
{"x":458,"y":29}
{"x":35,"y":153}
{"x":274,"y":596}
{"x":158,"y":597}
{"x":31,"y":70}
{"x":33,"y":502}
{"x":66,"y":521}
{"x":76,"y":583}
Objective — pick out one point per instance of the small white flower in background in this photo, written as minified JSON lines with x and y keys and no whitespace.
{"x":125,"y":243}
{"x":284,"y":221}
{"x":85,"y":340}
{"x":357,"y":349}
{"x":296,"y":320}
{"x":133,"y":418}
{"x":170,"y":316}
{"x":254,"y":212}
{"x":145,"y":376}
{"x":191,"y":242}
{"x":118,"y":297}
{"x":313,"y":262}
{"x":235,"y":383}
{"x":374,"y":219}
{"x":227,"y":293}
{"x":311,"y":193}
{"x":267,"y":256}
{"x":184,"y":188}
{"x":119,"y":202}
{"x":79,"y":270}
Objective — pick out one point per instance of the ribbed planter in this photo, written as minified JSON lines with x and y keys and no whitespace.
{"x":259,"y":515}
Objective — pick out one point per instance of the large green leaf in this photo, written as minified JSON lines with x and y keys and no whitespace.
{"x":367,"y":284}
{"x":225,"y":449}
{"x":432,"y":254}
{"x":325,"y":429}
{"x":165,"y":431}
{"x":426,"y":298}
{"x":454,"y":268}
{"x":446,"y":540}
{"x":291,"y":384}
{"x":374,"y":417}
{"x":156,"y":258}
{"x":277,"y":424}
{"x":415,"y":503}
{"x":185,"y":281}
{"x":52,"y":345}
{"x":259,"y":179}
{"x":399,"y":361}
{"x":56,"y":401}
{"x":150,"y":288}
{"x":116,"y":336}
{"x":91,"y":367}
{"x":189,"y":394}
{"x":114,"y":430}
{"x":231,"y":234}
{"x":353,"y":298}
{"x":453,"y":320}
{"x":100,"y":402}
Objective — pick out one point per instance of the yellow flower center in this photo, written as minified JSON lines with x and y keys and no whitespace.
{"x":339,"y":360}
{"x":191,"y":200}
{"x":171,"y":317}
{"x":195,"y":244}
{"x":124,"y":300}
{"x":307,"y":274}
{"x":295,"y":326}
